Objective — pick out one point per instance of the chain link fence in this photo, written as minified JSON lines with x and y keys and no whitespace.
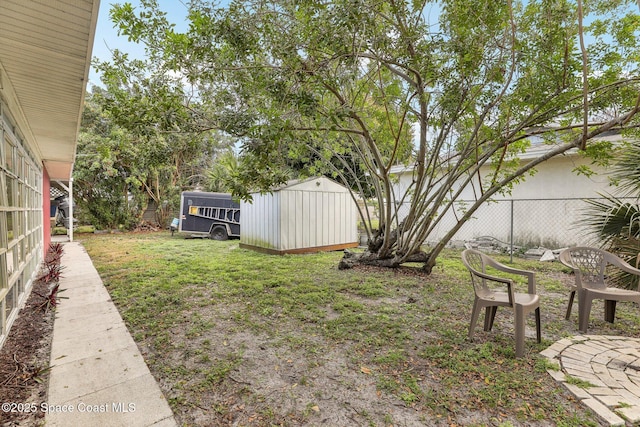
{"x":549,"y":223}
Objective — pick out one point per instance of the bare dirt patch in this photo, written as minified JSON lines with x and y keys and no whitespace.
{"x":24,"y":362}
{"x":287,"y":374}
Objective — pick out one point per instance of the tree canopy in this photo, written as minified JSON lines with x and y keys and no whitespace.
{"x":119,"y":170}
{"x":352,"y":88}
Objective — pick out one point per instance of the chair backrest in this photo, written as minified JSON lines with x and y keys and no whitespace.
{"x":589,"y":264}
{"x":476,"y":261}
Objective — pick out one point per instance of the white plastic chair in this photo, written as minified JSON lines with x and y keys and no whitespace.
{"x":590,"y":267}
{"x":490,"y":299}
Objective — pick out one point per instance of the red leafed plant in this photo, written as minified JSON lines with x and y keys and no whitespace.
{"x":50,"y":274}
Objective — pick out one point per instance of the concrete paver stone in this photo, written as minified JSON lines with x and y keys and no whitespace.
{"x":610,"y":364}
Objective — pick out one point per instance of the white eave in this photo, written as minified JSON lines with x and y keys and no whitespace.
{"x":45,"y":56}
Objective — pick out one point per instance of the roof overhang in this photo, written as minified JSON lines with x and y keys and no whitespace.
{"x":45,"y":56}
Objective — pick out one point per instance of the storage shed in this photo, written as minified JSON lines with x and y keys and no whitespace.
{"x":311,"y":215}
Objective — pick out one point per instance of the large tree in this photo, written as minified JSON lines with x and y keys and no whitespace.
{"x":102,"y":183}
{"x":445,"y":87}
{"x":119,"y":170}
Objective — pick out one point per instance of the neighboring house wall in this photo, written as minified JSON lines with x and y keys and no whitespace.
{"x":546,"y":208}
{"x":307,"y":216}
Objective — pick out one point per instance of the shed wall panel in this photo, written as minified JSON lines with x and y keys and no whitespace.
{"x":271,"y":226}
{"x":340,"y":226}
{"x":259,"y":225}
{"x":313,"y":219}
{"x":317,"y":213}
{"x":324,"y":228}
{"x":287,"y":239}
{"x":309,"y":229}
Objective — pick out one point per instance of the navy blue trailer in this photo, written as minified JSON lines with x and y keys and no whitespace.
{"x":213,"y":215}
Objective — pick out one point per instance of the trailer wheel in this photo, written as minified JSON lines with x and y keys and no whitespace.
{"x":219,"y":233}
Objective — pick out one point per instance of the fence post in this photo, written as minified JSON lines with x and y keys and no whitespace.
{"x":511,"y":235}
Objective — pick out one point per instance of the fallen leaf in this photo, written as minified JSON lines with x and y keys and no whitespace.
{"x":365,"y":370}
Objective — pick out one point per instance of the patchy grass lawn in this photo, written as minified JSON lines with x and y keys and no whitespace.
{"x":235,"y":337}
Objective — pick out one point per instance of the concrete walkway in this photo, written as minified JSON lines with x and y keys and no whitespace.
{"x":98,"y":376}
{"x":608,"y":371}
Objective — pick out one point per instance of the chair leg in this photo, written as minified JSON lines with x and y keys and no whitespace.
{"x":610,"y":310}
{"x":475,"y":313}
{"x":519,"y":330}
{"x":571,"y":297}
{"x":585,"y":311}
{"x":489,"y":317}
{"x":538,"y":328}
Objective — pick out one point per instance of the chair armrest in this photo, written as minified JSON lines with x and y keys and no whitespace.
{"x":502,"y":280}
{"x":623,"y":265}
{"x":530,"y":275}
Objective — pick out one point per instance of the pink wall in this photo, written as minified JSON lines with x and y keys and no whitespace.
{"x":46,"y":209}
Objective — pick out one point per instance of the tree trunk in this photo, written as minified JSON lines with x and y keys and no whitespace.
{"x":351,"y":259}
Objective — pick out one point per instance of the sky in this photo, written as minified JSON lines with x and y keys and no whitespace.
{"x":107,"y":39}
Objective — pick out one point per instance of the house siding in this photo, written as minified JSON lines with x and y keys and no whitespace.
{"x":21,"y":220}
